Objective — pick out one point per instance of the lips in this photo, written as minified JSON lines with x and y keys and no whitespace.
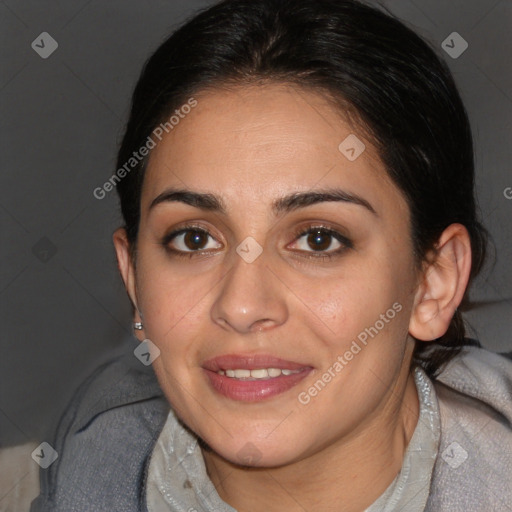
{"x":250,"y":389}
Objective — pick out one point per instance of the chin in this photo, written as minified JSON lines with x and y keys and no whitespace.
{"x":257,"y":454}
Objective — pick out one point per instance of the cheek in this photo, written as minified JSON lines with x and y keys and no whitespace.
{"x":346,"y":306}
{"x":172,"y":303}
{"x":330,"y":310}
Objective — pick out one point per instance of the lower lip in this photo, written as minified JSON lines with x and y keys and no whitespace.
{"x":254,"y":390}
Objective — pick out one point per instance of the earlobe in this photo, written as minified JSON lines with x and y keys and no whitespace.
{"x":124,"y":263}
{"x":443,"y":284}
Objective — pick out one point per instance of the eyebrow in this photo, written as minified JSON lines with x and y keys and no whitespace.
{"x":288,"y":203}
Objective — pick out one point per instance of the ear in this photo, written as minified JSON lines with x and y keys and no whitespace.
{"x":126,"y":267}
{"x":443,"y":284}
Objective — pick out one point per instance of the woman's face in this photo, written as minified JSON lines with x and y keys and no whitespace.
{"x":248,"y":288}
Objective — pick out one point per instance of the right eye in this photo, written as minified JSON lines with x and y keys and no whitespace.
{"x":188,"y":241}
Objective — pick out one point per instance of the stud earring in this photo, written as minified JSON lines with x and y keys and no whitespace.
{"x":137,"y":326}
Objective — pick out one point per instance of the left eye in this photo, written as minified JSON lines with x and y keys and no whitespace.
{"x":320,"y":240}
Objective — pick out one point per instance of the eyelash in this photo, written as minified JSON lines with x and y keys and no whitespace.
{"x":346,"y":243}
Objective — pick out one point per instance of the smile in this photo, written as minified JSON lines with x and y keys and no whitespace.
{"x":253,"y":377}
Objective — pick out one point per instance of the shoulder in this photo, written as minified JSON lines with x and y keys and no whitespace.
{"x":474,"y":461}
{"x":103,"y":440}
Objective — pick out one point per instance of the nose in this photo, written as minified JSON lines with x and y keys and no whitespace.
{"x":250,"y":298}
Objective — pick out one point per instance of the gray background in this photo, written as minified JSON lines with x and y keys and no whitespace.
{"x":63,"y":309}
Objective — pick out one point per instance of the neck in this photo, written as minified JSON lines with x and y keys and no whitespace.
{"x":350,"y":472}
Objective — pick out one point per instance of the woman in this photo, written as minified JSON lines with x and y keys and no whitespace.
{"x":296,"y":181}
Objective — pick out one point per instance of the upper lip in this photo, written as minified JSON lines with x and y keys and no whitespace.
{"x":250,"y":362}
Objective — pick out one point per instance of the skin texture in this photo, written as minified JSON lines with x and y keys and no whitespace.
{"x":251,"y":145}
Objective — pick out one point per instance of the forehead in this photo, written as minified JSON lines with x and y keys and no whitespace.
{"x":251,"y":144}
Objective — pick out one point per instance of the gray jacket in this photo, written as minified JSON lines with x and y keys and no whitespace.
{"x":108,"y":432}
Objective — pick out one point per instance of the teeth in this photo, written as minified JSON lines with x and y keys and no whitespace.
{"x":260,"y":373}
{"x":257,"y":374}
{"x":240,"y":374}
